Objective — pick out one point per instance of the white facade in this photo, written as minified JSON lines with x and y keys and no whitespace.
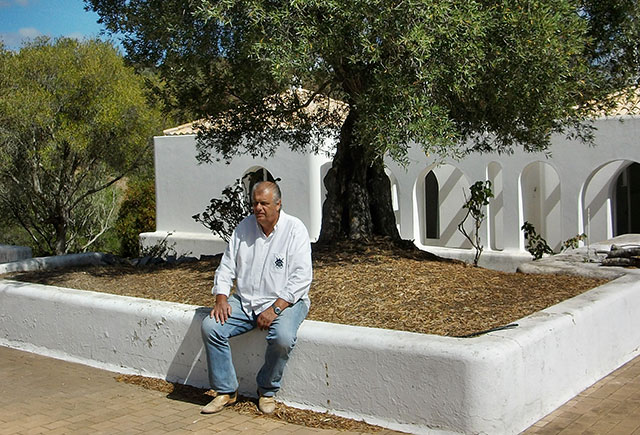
{"x":570,"y":193}
{"x":184,"y":188}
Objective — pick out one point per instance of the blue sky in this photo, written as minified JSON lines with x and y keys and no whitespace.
{"x":24,"y":19}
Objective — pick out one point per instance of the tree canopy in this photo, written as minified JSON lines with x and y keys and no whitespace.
{"x":73,"y":121}
{"x":451,"y":76}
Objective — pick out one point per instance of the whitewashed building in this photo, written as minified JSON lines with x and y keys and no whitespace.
{"x":579,"y":189}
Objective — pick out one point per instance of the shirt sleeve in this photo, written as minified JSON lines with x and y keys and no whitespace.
{"x":300,"y":273}
{"x":226,"y":271}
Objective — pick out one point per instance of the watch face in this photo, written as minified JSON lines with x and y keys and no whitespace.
{"x":277,"y":310}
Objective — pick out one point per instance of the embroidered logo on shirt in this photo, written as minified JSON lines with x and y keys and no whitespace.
{"x":279,"y":263}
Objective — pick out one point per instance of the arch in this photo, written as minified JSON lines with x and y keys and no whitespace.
{"x":540,"y":201}
{"x":596,"y":201}
{"x":439,"y":196}
{"x":495,"y":210}
{"x":254,"y":175}
{"x":626,"y":210}
{"x":432,"y":206}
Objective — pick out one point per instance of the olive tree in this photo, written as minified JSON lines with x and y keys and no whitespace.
{"x":449,"y":76}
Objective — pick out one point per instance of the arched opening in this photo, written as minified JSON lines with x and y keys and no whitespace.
{"x":432,"y":206}
{"x":597,"y":203}
{"x":255,"y":175}
{"x":627,"y":200}
{"x":540,"y":194}
{"x":439,"y":197}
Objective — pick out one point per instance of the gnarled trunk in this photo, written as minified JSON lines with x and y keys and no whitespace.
{"x":358,"y":204}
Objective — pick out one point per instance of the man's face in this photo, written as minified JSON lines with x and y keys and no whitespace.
{"x":265,"y":208}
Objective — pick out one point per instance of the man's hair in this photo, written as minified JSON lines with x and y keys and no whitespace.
{"x":267,"y":185}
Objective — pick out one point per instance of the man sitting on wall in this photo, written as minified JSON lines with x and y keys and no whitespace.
{"x":269,"y":256}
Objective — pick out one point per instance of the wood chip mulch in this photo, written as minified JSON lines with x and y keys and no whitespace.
{"x":379,"y":285}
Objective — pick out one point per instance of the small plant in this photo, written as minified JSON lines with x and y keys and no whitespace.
{"x":160,"y":249}
{"x":480,"y":194}
{"x":223,"y":215}
{"x":537,"y":245}
{"x":573,"y":242}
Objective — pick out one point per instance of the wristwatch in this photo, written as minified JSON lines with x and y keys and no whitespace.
{"x":276,"y":309}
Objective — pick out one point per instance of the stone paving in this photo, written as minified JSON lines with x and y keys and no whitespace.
{"x":43,"y":395}
{"x":40,"y":395}
{"x":610,"y":406}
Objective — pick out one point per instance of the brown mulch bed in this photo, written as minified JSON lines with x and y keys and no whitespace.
{"x":380,"y":286}
{"x":377,"y":285}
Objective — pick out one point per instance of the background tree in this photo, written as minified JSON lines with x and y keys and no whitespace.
{"x":74,"y":120}
{"x":454,"y":76}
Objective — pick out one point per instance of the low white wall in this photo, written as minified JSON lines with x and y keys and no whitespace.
{"x":499,"y":383}
{"x":506,"y":261}
{"x":42,"y":263}
{"x":184,"y":244}
{"x":10,"y":253}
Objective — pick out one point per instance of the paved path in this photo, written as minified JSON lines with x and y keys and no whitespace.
{"x":45,"y":395}
{"x":40,"y":395}
{"x":610,"y":406}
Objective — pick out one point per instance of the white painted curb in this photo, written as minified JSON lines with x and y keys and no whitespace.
{"x":42,"y":263}
{"x":10,"y":253}
{"x":499,"y":383}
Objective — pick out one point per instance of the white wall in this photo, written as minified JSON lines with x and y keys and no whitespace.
{"x":575,"y":179}
{"x":573,"y":163}
{"x":10,"y":253}
{"x":499,"y":383}
{"x":184,"y":188}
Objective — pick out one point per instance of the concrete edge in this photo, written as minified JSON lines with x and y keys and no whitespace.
{"x":53,"y":262}
{"x":9,"y":253}
{"x":498,"y":383}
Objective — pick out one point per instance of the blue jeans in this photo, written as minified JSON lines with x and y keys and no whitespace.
{"x":281,"y":338}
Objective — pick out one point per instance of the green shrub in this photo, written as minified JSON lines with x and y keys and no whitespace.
{"x":222,"y":216}
{"x":137,"y":215}
{"x":537,"y":245}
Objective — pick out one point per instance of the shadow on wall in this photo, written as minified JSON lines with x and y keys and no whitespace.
{"x":189,"y":365}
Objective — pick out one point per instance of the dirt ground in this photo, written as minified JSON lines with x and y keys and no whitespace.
{"x":377,"y":285}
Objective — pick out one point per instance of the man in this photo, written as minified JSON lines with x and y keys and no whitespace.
{"x":269,"y":256}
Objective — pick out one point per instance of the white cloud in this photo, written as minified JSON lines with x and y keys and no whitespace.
{"x":14,"y":40}
{"x":8,"y":3}
{"x":29,"y":32}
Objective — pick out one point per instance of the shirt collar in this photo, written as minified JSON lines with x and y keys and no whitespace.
{"x":275,"y":228}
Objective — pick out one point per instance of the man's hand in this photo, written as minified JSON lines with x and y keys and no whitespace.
{"x":222,"y":310}
{"x":266,"y":318}
{"x":269,"y":315}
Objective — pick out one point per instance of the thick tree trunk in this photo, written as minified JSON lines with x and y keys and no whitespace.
{"x":358,"y":204}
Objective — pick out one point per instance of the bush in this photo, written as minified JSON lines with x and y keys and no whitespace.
{"x":137,"y":215}
{"x":222,"y":216}
{"x":537,"y":245}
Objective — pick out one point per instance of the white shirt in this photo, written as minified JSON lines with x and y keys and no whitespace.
{"x":266,"y":268}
